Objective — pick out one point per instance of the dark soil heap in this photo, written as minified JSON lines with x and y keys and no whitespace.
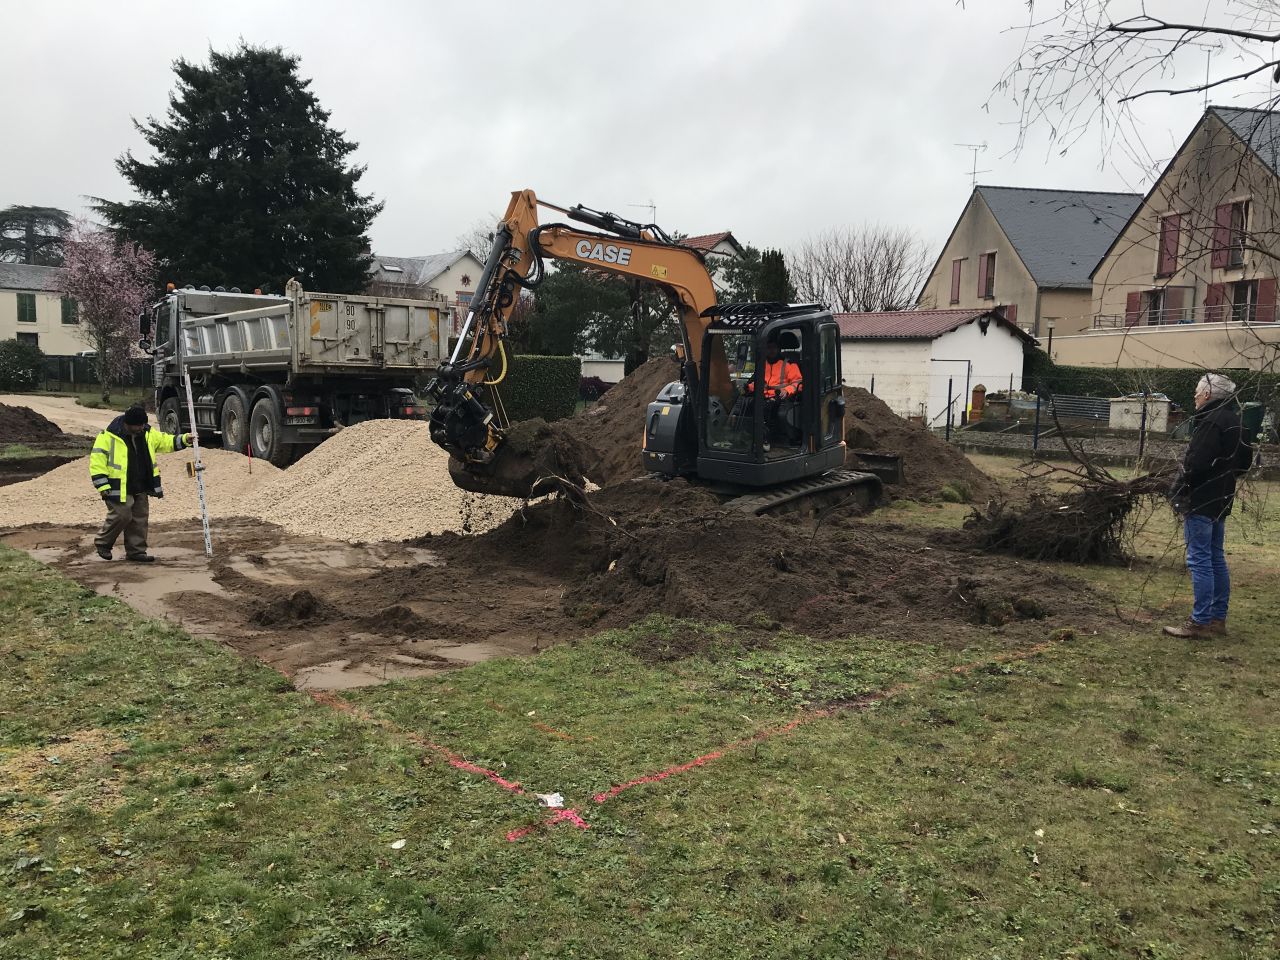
{"x":646,"y":547}
{"x":24,"y":425}
{"x":928,"y":464}
{"x":613,"y":426}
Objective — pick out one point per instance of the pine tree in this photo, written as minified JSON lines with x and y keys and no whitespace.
{"x":33,"y":235}
{"x":249,"y":185}
{"x":774,"y":282}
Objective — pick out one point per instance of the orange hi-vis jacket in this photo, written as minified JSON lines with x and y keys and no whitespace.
{"x":781,"y":377}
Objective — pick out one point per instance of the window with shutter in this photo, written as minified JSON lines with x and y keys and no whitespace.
{"x":26,"y":308}
{"x":956,"y":267}
{"x":1239,"y":224}
{"x":1221,"y":235}
{"x":1132,"y":308}
{"x":1213,"y":302}
{"x":1265,"y":312}
{"x":1167,"y":264}
{"x":70,"y":313}
{"x":982,"y":275}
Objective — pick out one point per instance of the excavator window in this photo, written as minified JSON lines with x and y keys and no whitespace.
{"x":730,"y":420}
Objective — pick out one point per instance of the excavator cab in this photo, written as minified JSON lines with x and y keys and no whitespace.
{"x":763,"y":408}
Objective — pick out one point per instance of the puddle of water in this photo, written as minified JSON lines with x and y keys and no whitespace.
{"x":470,"y":653}
{"x":341,"y":675}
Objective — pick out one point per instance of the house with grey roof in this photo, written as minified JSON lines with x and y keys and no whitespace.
{"x":452,"y":275}
{"x":1190,"y":279}
{"x":33,"y":309}
{"x":1028,"y":253}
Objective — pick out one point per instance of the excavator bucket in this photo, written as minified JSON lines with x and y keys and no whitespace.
{"x":535,"y":458}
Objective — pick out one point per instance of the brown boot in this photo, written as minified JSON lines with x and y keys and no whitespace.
{"x":1218,"y":626}
{"x":1190,"y":630}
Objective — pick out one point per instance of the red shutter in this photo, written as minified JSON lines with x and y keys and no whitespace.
{"x":1169,"y":237}
{"x":1133,"y":308}
{"x":982,"y":276}
{"x":1213,"y":301}
{"x":1221,"y":236}
{"x":1011,"y":313}
{"x":1265,"y":311}
{"x":1174,"y":298}
{"x":955,"y":280}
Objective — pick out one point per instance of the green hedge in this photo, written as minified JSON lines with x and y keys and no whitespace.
{"x":544,"y":387}
{"x":21,"y":365}
{"x":1177,"y":383}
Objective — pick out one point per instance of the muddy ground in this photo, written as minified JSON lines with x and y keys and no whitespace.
{"x":335,"y":615}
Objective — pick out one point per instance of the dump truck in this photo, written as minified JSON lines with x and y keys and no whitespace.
{"x":272,"y":376}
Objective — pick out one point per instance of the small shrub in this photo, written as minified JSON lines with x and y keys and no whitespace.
{"x":545,"y":387}
{"x":21,"y":365}
{"x":956,"y":492}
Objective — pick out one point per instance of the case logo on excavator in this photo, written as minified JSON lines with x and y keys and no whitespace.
{"x":604,"y":252}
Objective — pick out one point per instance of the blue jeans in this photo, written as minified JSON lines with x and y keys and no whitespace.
{"x":1207,"y":564}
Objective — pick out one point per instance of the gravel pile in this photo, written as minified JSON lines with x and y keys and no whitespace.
{"x":377,"y":480}
{"x":65,"y":495}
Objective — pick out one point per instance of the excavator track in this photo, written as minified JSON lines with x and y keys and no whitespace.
{"x":814,"y":493}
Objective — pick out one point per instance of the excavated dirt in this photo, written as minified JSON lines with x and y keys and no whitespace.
{"x":535,"y":459}
{"x":24,"y":425}
{"x":612,"y":427}
{"x":928,"y":463}
{"x":333,"y":615}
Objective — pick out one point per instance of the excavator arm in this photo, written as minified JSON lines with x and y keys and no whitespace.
{"x":467,"y":419}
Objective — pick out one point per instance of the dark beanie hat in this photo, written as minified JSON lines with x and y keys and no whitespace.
{"x":135,"y":416}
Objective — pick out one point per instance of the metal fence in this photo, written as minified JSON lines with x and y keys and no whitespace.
{"x":75,"y":373}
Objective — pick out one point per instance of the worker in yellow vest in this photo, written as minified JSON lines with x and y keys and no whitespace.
{"x":123,"y":469}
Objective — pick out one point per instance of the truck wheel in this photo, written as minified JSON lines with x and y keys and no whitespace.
{"x":235,"y":423}
{"x":265,"y":434}
{"x":171,"y":416}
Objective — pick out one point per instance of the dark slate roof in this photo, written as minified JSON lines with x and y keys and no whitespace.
{"x":1259,"y":129}
{"x":915,"y":324}
{"x":1060,"y":235}
{"x":25,"y":276}
{"x":414,"y":271}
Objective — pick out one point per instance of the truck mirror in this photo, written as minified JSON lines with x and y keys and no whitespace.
{"x":144,"y":323}
{"x":145,"y":345}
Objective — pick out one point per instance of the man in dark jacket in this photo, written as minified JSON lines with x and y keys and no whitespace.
{"x":1203,"y":495}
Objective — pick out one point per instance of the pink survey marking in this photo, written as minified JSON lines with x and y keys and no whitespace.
{"x":560,"y":816}
{"x":468,"y":767}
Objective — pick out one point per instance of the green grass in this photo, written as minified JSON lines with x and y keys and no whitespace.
{"x":21,"y":451}
{"x":90,"y":395}
{"x":1114,"y":796}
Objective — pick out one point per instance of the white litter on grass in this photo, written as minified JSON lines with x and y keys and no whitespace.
{"x":398,"y":844}
{"x":552,"y":800}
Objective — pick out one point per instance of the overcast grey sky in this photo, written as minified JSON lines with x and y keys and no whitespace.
{"x":774,"y":120}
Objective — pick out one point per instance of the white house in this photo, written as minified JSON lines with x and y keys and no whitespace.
{"x":908,"y":358}
{"x":452,"y":275}
{"x":32,"y":308}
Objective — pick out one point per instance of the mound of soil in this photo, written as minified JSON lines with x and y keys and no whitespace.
{"x":612,"y":427}
{"x":928,"y":464}
{"x":536,"y":458}
{"x":301,"y":606}
{"x":24,"y":425}
{"x":645,"y":547}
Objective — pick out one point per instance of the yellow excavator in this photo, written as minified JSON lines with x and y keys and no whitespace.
{"x":726,"y":422}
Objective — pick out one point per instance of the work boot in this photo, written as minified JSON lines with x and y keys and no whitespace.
{"x":104,"y":553}
{"x":141,"y":558}
{"x":1190,"y":630}
{"x":1218,"y":626}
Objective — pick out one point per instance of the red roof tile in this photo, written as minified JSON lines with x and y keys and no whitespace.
{"x":912,"y":324}
{"x":707,"y":241}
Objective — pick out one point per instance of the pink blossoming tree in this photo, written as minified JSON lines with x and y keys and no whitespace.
{"x":111,"y":283}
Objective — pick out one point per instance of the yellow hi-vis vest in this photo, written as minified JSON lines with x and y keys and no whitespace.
{"x":109,"y":461}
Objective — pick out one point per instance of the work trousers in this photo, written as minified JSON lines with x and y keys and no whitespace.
{"x":129,"y":518}
{"x":1207,"y":564}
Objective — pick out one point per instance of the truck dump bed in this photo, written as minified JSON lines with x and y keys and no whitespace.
{"x":321,"y":334}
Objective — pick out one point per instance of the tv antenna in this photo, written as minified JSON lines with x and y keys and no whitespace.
{"x":975,"y":149}
{"x":651,"y":207}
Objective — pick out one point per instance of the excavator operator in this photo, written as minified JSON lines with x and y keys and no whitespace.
{"x":782,"y":378}
{"x":782,"y":383}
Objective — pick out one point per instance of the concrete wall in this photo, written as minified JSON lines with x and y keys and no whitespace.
{"x":900,"y":368}
{"x":1071,"y":311}
{"x":976,"y":233}
{"x":610,"y":371}
{"x":1213,"y":168}
{"x":1205,"y":345}
{"x":911,"y":375}
{"x":55,"y":337}
{"x":995,"y":357}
